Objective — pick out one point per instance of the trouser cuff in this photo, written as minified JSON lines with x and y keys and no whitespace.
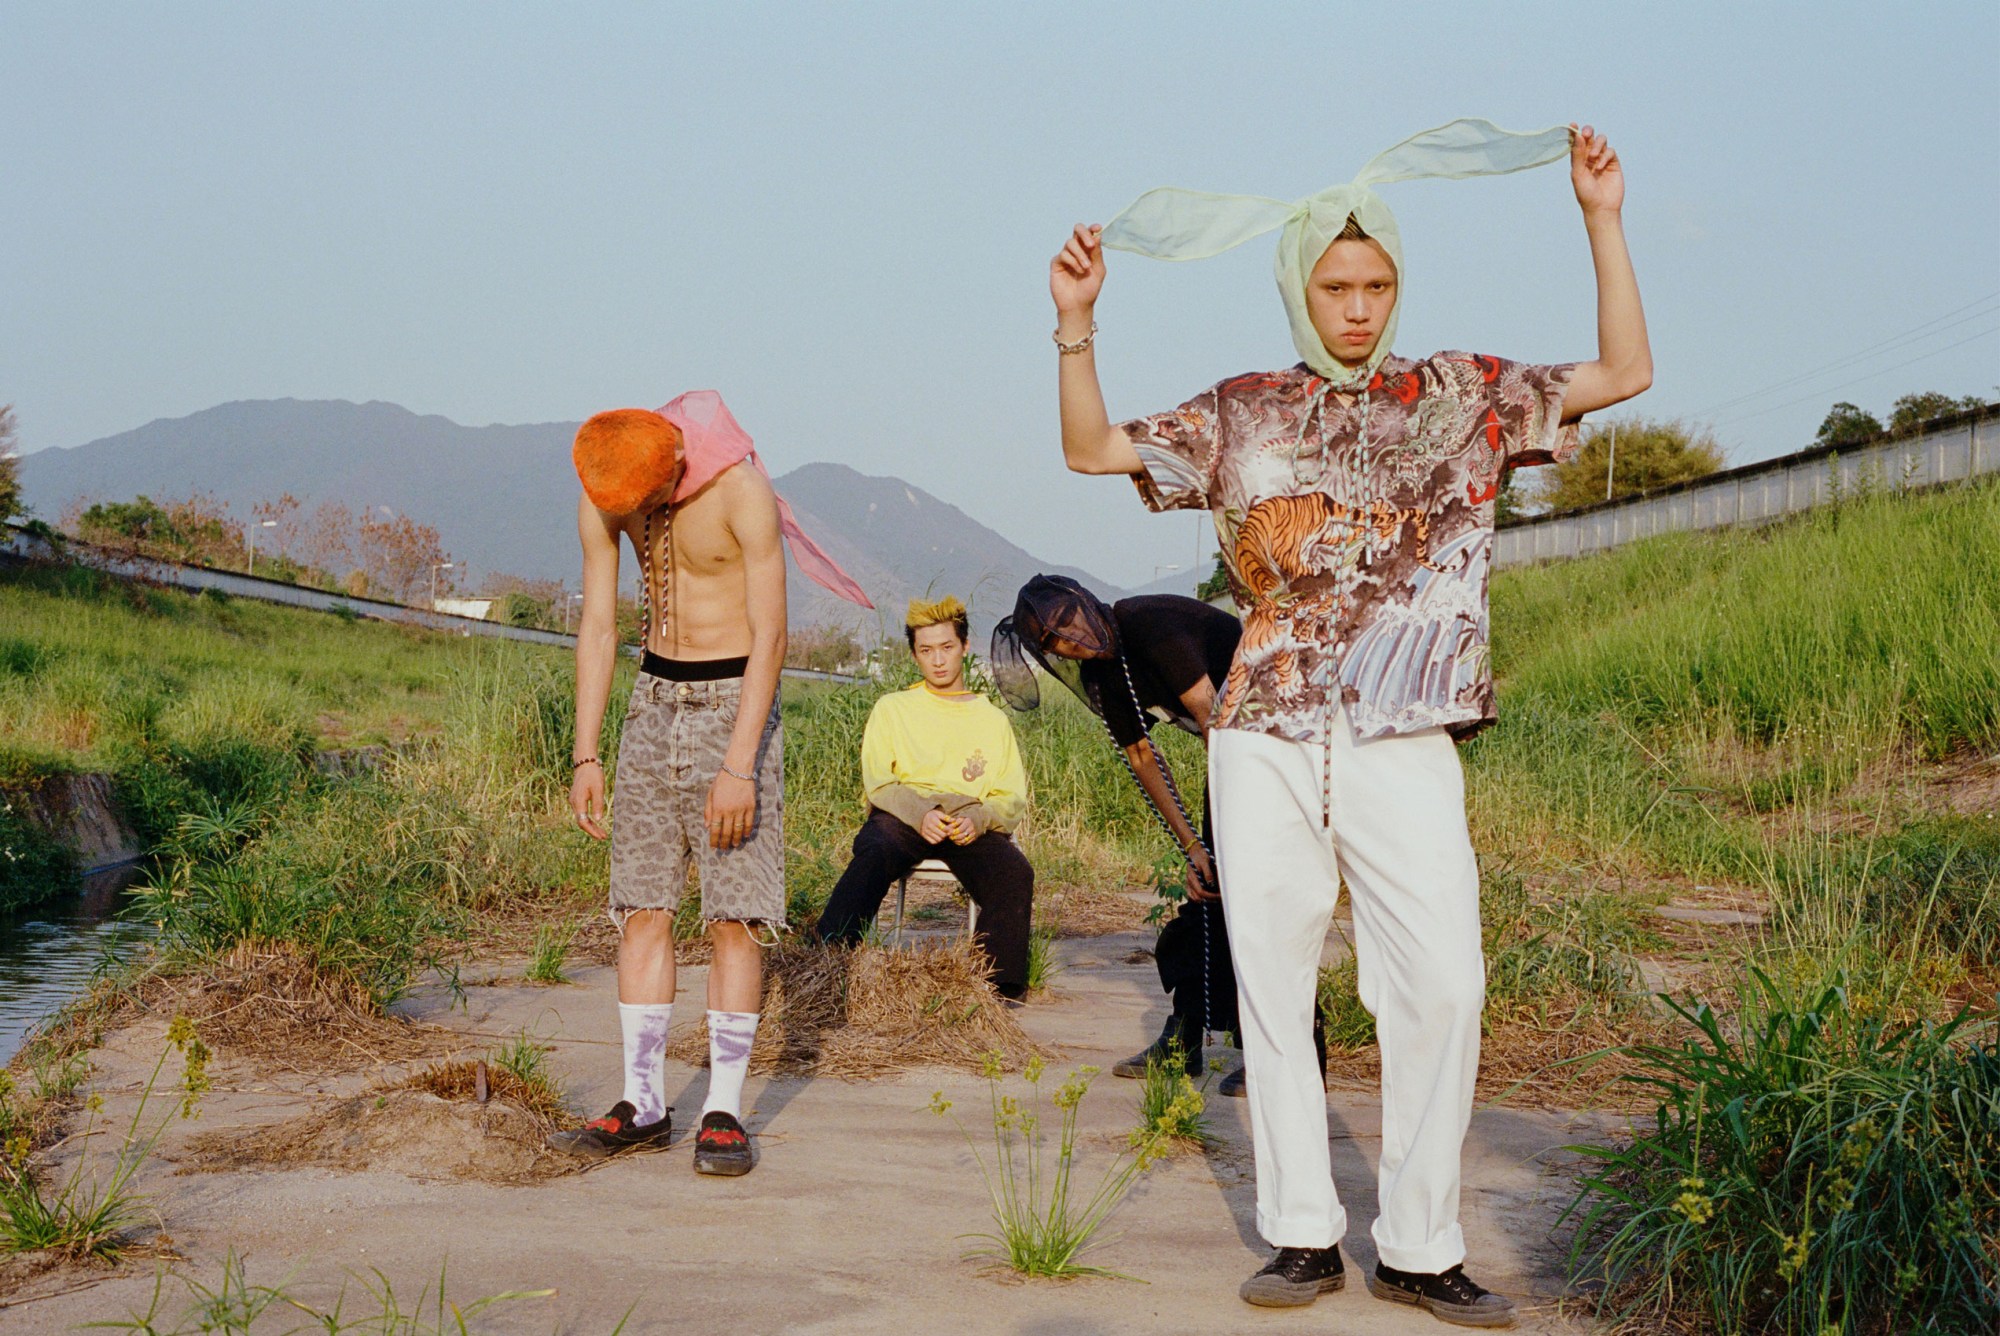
{"x":1300,"y":1232}
{"x":1441,"y":1254}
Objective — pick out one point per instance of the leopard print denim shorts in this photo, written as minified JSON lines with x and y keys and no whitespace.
{"x":671,"y":751}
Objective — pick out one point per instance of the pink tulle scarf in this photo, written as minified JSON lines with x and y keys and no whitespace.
{"x":712,"y":441}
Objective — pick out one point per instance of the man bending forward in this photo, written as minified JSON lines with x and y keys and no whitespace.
{"x":700,"y":765}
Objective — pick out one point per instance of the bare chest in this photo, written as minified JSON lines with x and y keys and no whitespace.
{"x":693,"y":541}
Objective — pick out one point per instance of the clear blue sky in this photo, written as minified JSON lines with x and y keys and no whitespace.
{"x":841,"y":216}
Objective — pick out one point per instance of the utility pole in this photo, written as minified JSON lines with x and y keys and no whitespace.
{"x":250,"y":543}
{"x":1611,"y":461}
{"x":437,"y":566}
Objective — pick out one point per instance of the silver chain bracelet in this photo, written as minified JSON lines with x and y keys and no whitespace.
{"x":1068,"y":348}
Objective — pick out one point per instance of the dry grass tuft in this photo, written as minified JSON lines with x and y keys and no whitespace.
{"x":430,"y":1126}
{"x":1096,"y":909}
{"x":868,"y":1012}
{"x":267,"y":1002}
{"x":459,"y":1081}
{"x":1542,"y":1060}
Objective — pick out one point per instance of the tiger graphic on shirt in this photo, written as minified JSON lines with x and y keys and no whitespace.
{"x":1357,"y":530}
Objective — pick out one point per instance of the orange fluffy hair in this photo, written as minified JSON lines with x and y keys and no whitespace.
{"x":625,"y":455}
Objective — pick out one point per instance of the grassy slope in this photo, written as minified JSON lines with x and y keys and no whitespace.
{"x":1655,"y":701}
{"x":88,"y":664}
{"x":199,"y":705}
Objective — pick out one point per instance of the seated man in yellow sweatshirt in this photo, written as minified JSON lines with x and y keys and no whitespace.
{"x":944,"y":780}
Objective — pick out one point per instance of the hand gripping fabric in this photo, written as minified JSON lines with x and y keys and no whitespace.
{"x":1174,"y":224}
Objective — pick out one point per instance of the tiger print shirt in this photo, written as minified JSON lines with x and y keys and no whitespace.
{"x":1357,"y":530}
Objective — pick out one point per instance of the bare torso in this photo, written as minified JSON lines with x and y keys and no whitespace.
{"x":696,"y":573}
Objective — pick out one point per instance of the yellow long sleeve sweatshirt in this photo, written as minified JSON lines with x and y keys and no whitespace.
{"x":922,"y":750}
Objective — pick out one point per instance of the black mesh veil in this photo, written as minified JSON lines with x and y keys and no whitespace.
{"x":1056,"y":623}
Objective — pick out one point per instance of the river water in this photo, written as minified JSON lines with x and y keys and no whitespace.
{"x":49,"y":952}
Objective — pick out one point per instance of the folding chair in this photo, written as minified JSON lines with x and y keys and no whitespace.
{"x":934,"y":869}
{"x":931,"y":869}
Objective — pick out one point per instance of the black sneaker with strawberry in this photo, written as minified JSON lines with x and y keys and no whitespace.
{"x":722,"y":1146}
{"x":614,"y":1133}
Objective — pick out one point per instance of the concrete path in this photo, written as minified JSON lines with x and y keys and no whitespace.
{"x":855,"y":1220}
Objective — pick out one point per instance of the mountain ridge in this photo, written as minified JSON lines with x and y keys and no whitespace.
{"x":501,"y":498}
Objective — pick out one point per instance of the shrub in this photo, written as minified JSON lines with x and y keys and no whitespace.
{"x":32,"y":861}
{"x":1810,"y":1168}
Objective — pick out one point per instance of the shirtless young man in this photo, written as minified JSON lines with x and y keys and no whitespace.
{"x":700,"y":764}
{"x":1354,"y":495}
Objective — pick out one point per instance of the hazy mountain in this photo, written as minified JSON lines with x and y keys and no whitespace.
{"x":501,"y":497}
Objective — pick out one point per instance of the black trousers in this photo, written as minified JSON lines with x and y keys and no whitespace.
{"x":994,"y":873}
{"x":1193,"y":956}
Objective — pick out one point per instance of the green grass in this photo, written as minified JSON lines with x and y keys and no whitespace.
{"x":1813,"y":1167}
{"x":1170,"y":1108}
{"x":1044,"y":1220}
{"x":81,"y":1214}
{"x":549,"y":952}
{"x":234,"y":1306}
{"x":374,"y":878}
{"x":211,"y":709}
{"x":1657,"y":698}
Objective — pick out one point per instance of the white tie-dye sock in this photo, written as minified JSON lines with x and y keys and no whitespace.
{"x":730,"y":1034}
{"x":645,"y":1026}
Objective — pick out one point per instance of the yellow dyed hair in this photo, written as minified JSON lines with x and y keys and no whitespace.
{"x":922,"y":614}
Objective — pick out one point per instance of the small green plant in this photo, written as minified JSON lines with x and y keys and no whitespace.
{"x":234,"y":1307}
{"x":527,"y":1059}
{"x":83,"y":1216}
{"x":550,"y":951}
{"x":1044,"y":1222}
{"x":1042,"y":966}
{"x":1168,"y":878}
{"x":1812,"y":1166}
{"x":1169,"y":1105}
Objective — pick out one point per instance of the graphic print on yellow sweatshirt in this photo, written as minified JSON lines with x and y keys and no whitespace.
{"x":922,"y":750}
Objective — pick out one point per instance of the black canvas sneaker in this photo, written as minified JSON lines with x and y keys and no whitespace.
{"x":1450,"y":1295}
{"x":722,"y":1146}
{"x":614,"y":1133}
{"x":1295,"y":1277}
{"x":1170,"y":1041}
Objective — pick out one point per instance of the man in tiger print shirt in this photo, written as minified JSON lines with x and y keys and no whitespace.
{"x":1354,"y":498}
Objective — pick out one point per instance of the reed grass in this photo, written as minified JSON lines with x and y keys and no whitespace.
{"x":1814,"y":1166}
{"x":1045,"y":1220}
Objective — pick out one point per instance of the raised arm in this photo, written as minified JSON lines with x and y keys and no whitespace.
{"x":596,"y":655}
{"x":753,"y":522}
{"x":1624,"y":365}
{"x":1091,"y":444}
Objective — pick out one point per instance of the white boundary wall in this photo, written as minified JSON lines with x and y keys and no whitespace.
{"x":1963,"y":448}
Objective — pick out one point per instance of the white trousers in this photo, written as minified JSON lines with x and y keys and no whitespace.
{"x":1398,"y":837}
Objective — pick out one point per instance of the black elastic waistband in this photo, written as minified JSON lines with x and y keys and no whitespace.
{"x":693,"y":670}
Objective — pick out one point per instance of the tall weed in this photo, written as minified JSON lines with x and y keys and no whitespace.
{"x":1810,"y":1168}
{"x":1044,"y":1221}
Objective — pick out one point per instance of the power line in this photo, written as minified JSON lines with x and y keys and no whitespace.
{"x":1914,"y":335}
{"x":1789,"y":403}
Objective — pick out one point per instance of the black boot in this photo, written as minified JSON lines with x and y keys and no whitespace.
{"x":1172,"y":1039}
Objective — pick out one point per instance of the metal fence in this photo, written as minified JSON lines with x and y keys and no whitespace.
{"x":21,"y":545}
{"x":1954,"y":450}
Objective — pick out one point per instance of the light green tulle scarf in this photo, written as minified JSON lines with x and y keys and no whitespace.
{"x":1175,"y":224}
